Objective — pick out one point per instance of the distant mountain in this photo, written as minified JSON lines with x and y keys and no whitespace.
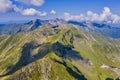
{"x":2,"y":25}
{"x":29,"y":26}
{"x":23,"y":27}
{"x":83,"y":24}
{"x":103,"y":29}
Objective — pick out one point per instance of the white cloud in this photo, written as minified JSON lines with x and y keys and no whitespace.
{"x":68,"y":16}
{"x":105,"y":17}
{"x":32,"y":11}
{"x":37,"y":2}
{"x":53,"y":12}
{"x":106,"y":10}
{"x":5,"y":5}
{"x":32,"y":2}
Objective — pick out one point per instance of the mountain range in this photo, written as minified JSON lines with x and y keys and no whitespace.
{"x":103,"y":29}
{"x":59,"y":50}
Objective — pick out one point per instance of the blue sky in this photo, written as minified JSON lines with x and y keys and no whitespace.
{"x":15,"y":10}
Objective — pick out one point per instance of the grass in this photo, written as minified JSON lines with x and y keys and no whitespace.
{"x":101,"y":50}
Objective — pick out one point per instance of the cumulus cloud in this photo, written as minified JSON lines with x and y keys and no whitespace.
{"x":37,"y":2}
{"x":32,"y":11}
{"x":68,"y":16}
{"x":5,"y":5}
{"x":53,"y":12}
{"x":105,"y":17}
{"x":32,"y":2}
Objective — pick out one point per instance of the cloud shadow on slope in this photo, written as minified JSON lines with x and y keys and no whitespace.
{"x":26,"y":57}
{"x":76,"y":74}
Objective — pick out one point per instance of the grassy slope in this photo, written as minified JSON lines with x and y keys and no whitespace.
{"x":93,"y":47}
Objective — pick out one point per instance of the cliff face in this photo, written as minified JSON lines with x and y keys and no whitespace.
{"x":64,"y":52}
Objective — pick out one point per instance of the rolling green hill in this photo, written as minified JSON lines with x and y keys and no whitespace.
{"x":65,"y":52}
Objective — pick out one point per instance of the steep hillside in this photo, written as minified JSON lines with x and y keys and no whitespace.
{"x":62,"y":52}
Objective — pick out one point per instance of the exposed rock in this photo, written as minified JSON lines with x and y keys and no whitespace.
{"x":117,"y":70}
{"x":46,"y":67}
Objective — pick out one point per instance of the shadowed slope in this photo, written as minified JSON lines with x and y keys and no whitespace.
{"x":27,"y":58}
{"x":77,"y":75}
